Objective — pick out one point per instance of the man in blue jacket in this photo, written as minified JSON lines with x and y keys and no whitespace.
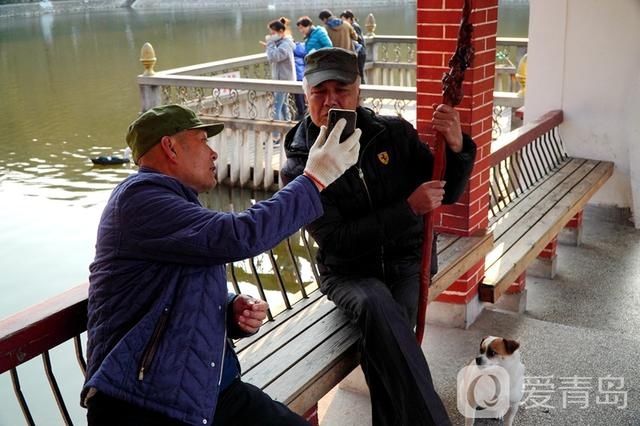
{"x":314,"y":37}
{"x":160,"y":316}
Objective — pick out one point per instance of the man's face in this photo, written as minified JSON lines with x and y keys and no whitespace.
{"x":304,"y":30}
{"x":331,"y":94}
{"x":196,"y":160}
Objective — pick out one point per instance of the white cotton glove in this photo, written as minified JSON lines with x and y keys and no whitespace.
{"x":329,"y":159}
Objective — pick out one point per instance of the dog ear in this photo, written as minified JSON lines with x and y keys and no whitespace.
{"x":481,"y":342}
{"x":511,"y":346}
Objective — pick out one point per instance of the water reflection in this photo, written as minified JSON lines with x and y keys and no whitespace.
{"x":238,"y":23}
{"x":71,"y":92}
{"x":46,"y":22}
{"x":68,"y":83}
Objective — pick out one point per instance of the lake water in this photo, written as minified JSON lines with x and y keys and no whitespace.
{"x":68,"y":92}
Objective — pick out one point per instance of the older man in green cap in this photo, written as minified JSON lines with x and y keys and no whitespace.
{"x":371,"y":232}
{"x":160,"y":315}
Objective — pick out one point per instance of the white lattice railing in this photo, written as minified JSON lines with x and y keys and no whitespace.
{"x":238,"y":92}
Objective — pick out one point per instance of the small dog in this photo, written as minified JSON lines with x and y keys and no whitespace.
{"x":484,"y":392}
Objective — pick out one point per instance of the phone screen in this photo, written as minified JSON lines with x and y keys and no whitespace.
{"x":336,"y":114}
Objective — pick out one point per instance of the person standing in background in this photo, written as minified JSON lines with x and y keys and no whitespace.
{"x":341,"y":33}
{"x":287,"y":26}
{"x":349,"y":17}
{"x":299,"y":53}
{"x":280,"y":55}
{"x":314,"y":37}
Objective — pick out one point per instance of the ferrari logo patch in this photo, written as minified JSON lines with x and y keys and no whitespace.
{"x":383,"y":157}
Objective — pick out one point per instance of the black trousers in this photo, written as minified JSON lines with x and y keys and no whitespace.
{"x":241,"y":404}
{"x":300,"y":105}
{"x":399,"y":380}
{"x":362,"y":58}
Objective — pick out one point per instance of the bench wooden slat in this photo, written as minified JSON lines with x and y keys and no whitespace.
{"x":319,"y":372}
{"x":503,"y":221}
{"x":272,"y":365}
{"x":457,"y":258}
{"x":304,"y":399}
{"x":270,"y":343}
{"x":541,"y":230}
{"x":445,"y":241}
{"x":525,"y":215}
{"x":279,"y":320}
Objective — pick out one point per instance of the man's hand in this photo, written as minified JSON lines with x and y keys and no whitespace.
{"x":248,"y":313}
{"x":446,"y":120}
{"x":426,"y":197}
{"x":328,"y":158}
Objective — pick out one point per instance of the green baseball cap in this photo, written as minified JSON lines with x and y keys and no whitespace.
{"x":331,"y":63}
{"x":166,"y":120}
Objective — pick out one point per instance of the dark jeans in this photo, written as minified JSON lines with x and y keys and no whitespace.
{"x":300,"y":105}
{"x":240,"y":404}
{"x":362,"y":58}
{"x":394,"y":366}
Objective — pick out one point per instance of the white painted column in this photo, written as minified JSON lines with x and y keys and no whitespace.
{"x":584,"y":57}
{"x":545,"y":57}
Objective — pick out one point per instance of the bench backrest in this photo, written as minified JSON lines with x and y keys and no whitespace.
{"x":522,"y":159}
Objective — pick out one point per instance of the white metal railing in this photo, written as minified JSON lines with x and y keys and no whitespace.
{"x":238,"y":92}
{"x":256,"y":61}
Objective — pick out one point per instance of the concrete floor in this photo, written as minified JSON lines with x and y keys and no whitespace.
{"x":584,"y":324}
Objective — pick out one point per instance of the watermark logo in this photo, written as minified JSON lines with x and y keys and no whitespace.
{"x":483,"y":391}
{"x":551,"y":392}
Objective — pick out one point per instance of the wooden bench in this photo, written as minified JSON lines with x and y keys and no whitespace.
{"x":306,"y":348}
{"x":535,"y":190}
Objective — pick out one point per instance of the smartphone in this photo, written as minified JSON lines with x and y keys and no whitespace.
{"x":336,"y":114}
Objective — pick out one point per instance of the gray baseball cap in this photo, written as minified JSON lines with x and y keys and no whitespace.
{"x":331,"y":63}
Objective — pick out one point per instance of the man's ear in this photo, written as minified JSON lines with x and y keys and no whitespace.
{"x":168,"y":147}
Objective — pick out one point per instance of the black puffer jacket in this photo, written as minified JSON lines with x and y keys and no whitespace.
{"x":366,"y":215}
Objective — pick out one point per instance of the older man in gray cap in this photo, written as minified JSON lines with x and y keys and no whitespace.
{"x":160,"y":315}
{"x":371,"y":232}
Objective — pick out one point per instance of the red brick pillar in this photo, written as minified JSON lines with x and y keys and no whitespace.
{"x":518,"y":285}
{"x":545,"y":266}
{"x":437,"y":30}
{"x":549,"y":252}
{"x":312,"y":415}
{"x":572,"y":232}
{"x":515,"y":298}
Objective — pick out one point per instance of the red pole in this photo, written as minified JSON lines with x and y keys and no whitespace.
{"x":452,"y":96}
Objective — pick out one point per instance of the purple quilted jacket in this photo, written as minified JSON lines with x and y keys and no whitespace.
{"x":158,"y":291}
